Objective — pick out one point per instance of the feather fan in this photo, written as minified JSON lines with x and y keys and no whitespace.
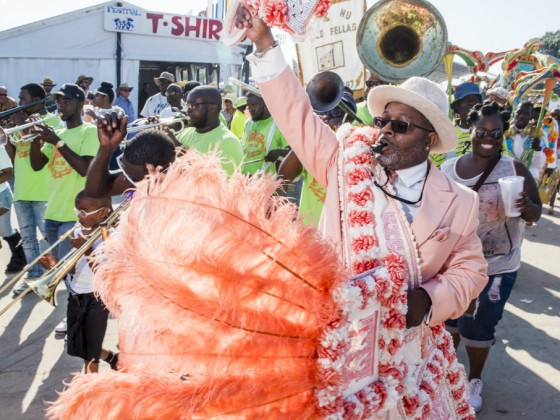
{"x":221,"y":296}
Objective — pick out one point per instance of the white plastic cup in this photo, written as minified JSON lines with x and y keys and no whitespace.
{"x":510,"y":188}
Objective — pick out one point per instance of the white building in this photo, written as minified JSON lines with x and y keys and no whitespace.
{"x":87,"y":42}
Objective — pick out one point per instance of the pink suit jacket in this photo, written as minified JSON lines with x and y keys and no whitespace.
{"x":453,"y":266}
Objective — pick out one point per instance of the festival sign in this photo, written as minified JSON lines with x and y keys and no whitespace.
{"x":127,"y":18}
{"x":333,"y":46}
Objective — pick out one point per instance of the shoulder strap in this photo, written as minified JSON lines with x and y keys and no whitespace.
{"x":486,"y":173}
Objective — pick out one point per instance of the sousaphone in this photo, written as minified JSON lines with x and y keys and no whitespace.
{"x":398,"y":39}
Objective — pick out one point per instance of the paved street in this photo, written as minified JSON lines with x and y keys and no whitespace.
{"x":522,"y":379}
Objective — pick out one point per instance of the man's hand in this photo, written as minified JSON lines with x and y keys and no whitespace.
{"x":523,"y":203}
{"x":276,"y":154}
{"x":45,"y":133}
{"x":419,"y":303}
{"x":111,"y":130}
{"x":257,"y":31}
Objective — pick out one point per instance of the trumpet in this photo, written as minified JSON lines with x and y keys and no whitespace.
{"x":6,"y":133}
{"x":245,"y":87}
{"x":180,"y":119}
{"x":45,"y":287}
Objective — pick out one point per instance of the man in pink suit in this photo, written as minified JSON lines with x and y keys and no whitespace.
{"x":443,"y":214}
{"x":389,"y":199}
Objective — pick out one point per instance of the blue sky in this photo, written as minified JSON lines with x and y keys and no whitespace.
{"x":486,"y":25}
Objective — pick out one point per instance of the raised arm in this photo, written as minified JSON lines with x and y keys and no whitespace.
{"x":111,"y":131}
{"x":313,"y":142}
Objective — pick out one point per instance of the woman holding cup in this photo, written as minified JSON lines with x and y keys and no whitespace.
{"x":507,"y":193}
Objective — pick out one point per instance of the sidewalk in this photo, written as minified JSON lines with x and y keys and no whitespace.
{"x":522,"y":378}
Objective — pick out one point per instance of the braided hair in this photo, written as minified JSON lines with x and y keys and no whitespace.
{"x":486,"y":109}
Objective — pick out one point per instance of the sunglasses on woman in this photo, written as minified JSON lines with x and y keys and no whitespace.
{"x":397,"y":126}
{"x":481,"y":133}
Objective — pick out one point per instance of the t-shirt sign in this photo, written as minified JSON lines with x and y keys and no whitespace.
{"x":132,"y":19}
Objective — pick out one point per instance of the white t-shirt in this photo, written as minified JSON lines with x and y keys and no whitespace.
{"x":82,"y":281}
{"x":5,"y":162}
{"x":168,"y":112}
{"x":154,"y":105}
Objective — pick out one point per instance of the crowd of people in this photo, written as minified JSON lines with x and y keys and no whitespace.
{"x":434,"y":181}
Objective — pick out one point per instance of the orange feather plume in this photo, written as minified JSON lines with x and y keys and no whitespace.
{"x":221,"y":298}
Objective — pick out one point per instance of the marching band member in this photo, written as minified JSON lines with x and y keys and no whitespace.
{"x":67,"y":153}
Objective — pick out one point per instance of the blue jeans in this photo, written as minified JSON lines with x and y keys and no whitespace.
{"x":6,"y":228}
{"x":55,"y":230}
{"x":31,"y":216}
{"x":478,"y":329}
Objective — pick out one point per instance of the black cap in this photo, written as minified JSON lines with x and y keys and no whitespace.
{"x":70,"y":91}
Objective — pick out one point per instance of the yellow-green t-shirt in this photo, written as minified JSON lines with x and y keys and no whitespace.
{"x":30,"y":185}
{"x":312,"y":200}
{"x":64,"y":181}
{"x":257,"y":141}
{"x":464,"y":146}
{"x":363,"y":114}
{"x":238,"y":123}
{"x":219,"y":138}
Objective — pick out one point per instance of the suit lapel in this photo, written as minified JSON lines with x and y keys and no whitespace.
{"x":438,"y":196}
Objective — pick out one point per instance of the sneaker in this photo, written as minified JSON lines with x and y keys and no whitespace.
{"x":61,"y":327}
{"x":19,"y":289}
{"x":475,"y":394}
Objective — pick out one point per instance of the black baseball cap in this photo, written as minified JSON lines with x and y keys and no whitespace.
{"x":70,"y":91}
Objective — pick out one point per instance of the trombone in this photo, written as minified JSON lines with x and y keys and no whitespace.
{"x":45,"y":287}
{"x":6,"y":133}
{"x":142,"y":124}
{"x":36,"y":260}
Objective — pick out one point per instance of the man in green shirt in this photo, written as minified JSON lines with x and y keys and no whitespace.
{"x":263,"y":143}
{"x":363,"y":111}
{"x":239,"y":119}
{"x":204,"y":104}
{"x":30,"y":187}
{"x":67,"y":154}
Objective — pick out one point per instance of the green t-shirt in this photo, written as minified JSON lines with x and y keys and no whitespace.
{"x":464,"y":146}
{"x":64,"y":181}
{"x":28,"y":184}
{"x":363,"y":114}
{"x":312,"y":200}
{"x":219,"y":138}
{"x":238,"y":123}
{"x":259,"y":139}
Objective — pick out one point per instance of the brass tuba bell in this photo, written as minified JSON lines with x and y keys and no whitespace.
{"x":398,"y":39}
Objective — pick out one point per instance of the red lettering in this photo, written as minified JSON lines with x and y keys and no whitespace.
{"x":178,"y":27}
{"x":155,"y":17}
{"x":189,"y":27}
{"x":204,"y":28}
{"x":215,"y":29}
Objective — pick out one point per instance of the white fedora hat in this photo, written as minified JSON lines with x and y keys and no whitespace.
{"x":424,"y":96}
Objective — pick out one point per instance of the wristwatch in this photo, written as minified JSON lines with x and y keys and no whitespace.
{"x":59,"y":144}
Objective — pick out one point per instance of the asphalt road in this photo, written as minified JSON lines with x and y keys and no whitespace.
{"x":521,"y":380}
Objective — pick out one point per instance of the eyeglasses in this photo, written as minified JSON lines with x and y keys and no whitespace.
{"x":191,"y":106}
{"x":3,"y":94}
{"x":333,"y":113}
{"x":121,"y":167}
{"x":83,"y":214}
{"x":481,"y":133}
{"x":371,"y":83}
{"x":397,"y":126}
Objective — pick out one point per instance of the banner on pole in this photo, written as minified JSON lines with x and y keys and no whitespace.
{"x":333,"y":46}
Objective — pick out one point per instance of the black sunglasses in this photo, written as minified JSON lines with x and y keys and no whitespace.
{"x":481,"y":133}
{"x":371,"y":83}
{"x":333,"y":113}
{"x":397,"y":126}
